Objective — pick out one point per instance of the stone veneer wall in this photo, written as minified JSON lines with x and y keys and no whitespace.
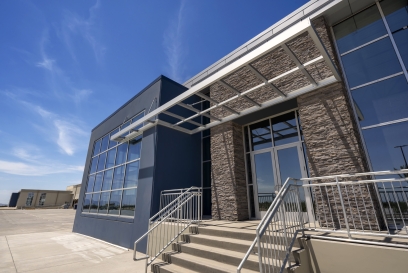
{"x":330,"y":131}
{"x":334,"y":147}
{"x":229,"y":191}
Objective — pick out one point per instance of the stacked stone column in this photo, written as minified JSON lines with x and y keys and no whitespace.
{"x":228,"y":185}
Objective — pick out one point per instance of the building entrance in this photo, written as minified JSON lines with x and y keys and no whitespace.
{"x":274,"y":152}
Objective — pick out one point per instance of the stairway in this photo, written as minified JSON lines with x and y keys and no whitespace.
{"x":214,"y":249}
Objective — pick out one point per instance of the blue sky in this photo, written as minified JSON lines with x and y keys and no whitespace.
{"x":67,"y":65}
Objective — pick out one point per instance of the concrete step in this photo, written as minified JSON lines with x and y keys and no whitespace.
{"x":218,"y":242}
{"x":200,"y":264}
{"x":169,"y":268}
{"x":234,"y":233}
{"x":236,"y":245}
{"x":217,"y":254}
{"x":226,"y":232}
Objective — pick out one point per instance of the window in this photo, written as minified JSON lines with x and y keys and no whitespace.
{"x":376,"y":79}
{"x":29,"y":200}
{"x":41,"y":201}
{"x":396,"y":13}
{"x":113,"y":174}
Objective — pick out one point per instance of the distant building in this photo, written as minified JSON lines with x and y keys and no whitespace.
{"x":75,"y":189}
{"x":34,"y":198}
{"x":13,"y":199}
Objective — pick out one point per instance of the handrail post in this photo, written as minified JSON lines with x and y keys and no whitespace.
{"x":344,"y":209}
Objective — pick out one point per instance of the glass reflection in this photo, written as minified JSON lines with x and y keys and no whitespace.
{"x":94,"y":164}
{"x":104,"y":144}
{"x":132,"y":174}
{"x":91,"y":180}
{"x":382,"y":145}
{"x":103,"y":202}
{"x":114,"y":202}
{"x":97,"y":147}
{"x":384,"y":101}
{"x":118,"y":176}
{"x":121,"y":153}
{"x":134,"y":148}
{"x":284,"y":129}
{"x":87,"y":203}
{"x":289,"y":165}
{"x":128,"y":202}
{"x":101,"y":162}
{"x":107,"y":180}
{"x":98,"y":181}
{"x":359,"y":29}
{"x":110,"y":160}
{"x":261,"y":135}
{"x":94,"y":203}
{"x":371,"y":62}
{"x":396,"y":14}
{"x":265,"y":180}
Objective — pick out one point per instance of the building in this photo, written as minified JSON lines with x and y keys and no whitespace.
{"x":75,"y":189}
{"x":13,"y":199}
{"x":29,"y":198}
{"x":321,"y":92}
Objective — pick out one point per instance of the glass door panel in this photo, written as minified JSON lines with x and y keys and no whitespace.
{"x":289,"y":165}
{"x":265,"y":181}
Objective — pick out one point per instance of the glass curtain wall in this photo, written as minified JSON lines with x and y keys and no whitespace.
{"x":113,"y":175}
{"x":373,"y":46}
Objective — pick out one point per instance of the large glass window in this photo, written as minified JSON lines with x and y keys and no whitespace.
{"x":396,"y":13}
{"x":113,"y":173}
{"x":371,"y":62}
{"x":261,"y":135}
{"x":132,"y":175}
{"x":285,"y":129}
{"x":376,"y":78}
{"x":128,"y":202}
{"x":381,"y":102}
{"x":387,"y":146}
{"x":359,"y":29}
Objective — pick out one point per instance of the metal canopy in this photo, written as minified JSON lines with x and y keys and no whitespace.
{"x":305,"y":26}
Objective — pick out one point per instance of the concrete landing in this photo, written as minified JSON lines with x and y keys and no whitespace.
{"x":42,"y":241}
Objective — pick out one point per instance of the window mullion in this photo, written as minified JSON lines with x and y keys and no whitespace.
{"x":404,"y":69}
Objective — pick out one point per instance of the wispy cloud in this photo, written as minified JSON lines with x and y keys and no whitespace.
{"x":175,"y":49}
{"x":68,"y":133}
{"x":80,"y":95}
{"x":29,"y":160}
{"x":59,"y":83}
{"x":73,"y":24}
{"x":31,"y":169}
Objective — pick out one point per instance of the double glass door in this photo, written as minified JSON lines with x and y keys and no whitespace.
{"x":271,"y":169}
{"x":274,"y":152}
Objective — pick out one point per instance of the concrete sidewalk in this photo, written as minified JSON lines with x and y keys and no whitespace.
{"x":42,"y":241}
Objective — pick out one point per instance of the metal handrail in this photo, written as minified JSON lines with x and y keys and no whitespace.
{"x":262,"y":224}
{"x":181,"y":210}
{"x":329,"y":207}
